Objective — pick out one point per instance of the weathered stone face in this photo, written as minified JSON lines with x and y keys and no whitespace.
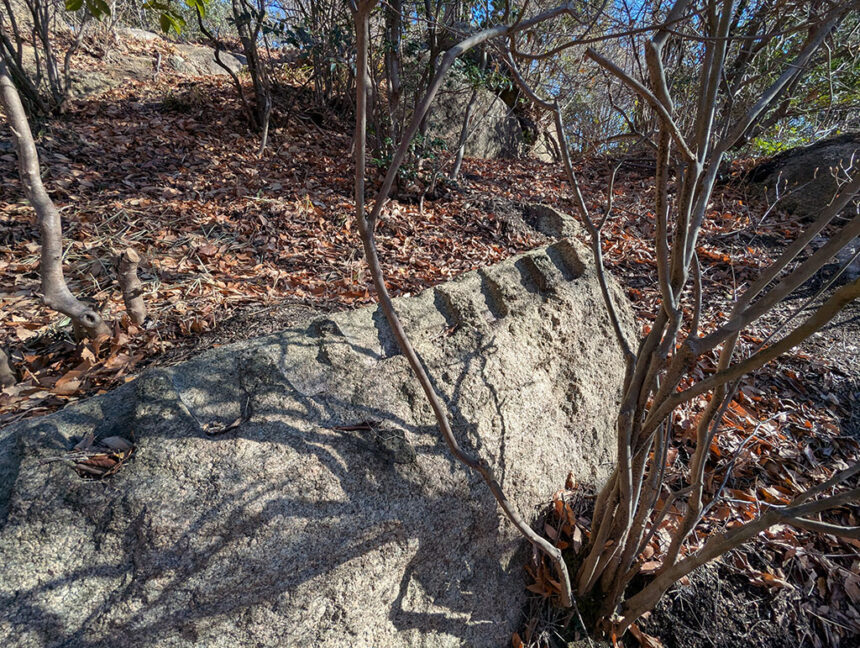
{"x":494,"y":131}
{"x":806,"y":179}
{"x":195,"y":60}
{"x":300,"y":525}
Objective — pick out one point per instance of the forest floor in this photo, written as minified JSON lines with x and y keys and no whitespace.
{"x":238,"y":245}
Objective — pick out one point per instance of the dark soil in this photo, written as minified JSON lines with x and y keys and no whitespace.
{"x":720,"y":609}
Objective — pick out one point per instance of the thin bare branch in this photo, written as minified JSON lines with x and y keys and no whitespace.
{"x":789,"y":283}
{"x":646,"y":94}
{"x":737,"y":131}
{"x":825,"y":527}
{"x":839,"y":300}
{"x":719,"y":544}
{"x":132,"y":288}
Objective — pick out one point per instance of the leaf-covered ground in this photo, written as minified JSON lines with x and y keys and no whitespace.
{"x":167,"y":167}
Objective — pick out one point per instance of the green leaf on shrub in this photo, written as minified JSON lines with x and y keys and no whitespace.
{"x":198,"y":5}
{"x":98,"y":8}
{"x":170,"y":21}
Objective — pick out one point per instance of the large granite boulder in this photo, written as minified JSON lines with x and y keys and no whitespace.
{"x":494,"y":130}
{"x":189,"y":58}
{"x":199,"y":60}
{"x":293,"y":490}
{"x":805,"y":179}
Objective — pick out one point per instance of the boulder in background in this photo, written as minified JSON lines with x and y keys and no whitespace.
{"x":494,"y":132}
{"x":803,"y":177}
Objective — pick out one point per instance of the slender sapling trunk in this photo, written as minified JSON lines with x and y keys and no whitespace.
{"x":55,"y":291}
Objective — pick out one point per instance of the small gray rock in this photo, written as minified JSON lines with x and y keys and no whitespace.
{"x":180,"y":64}
{"x":201,"y":60}
{"x":139,"y":34}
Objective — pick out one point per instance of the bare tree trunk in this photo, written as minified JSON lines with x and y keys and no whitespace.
{"x":12,"y":41}
{"x":267,"y":115}
{"x":219,"y":47}
{"x":55,"y":291}
{"x":67,"y":60}
{"x":7,"y":376}
{"x":249,"y":23}
{"x":464,"y":135}
{"x":393,"y":64}
{"x":132,"y":289}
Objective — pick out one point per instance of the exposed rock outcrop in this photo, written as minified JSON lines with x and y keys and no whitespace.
{"x":293,"y":490}
{"x":494,"y":131}
{"x":189,"y":58}
{"x":135,"y":63}
{"x":805,"y":178}
{"x":199,"y":60}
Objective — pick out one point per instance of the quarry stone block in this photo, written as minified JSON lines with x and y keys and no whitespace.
{"x":293,"y":490}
